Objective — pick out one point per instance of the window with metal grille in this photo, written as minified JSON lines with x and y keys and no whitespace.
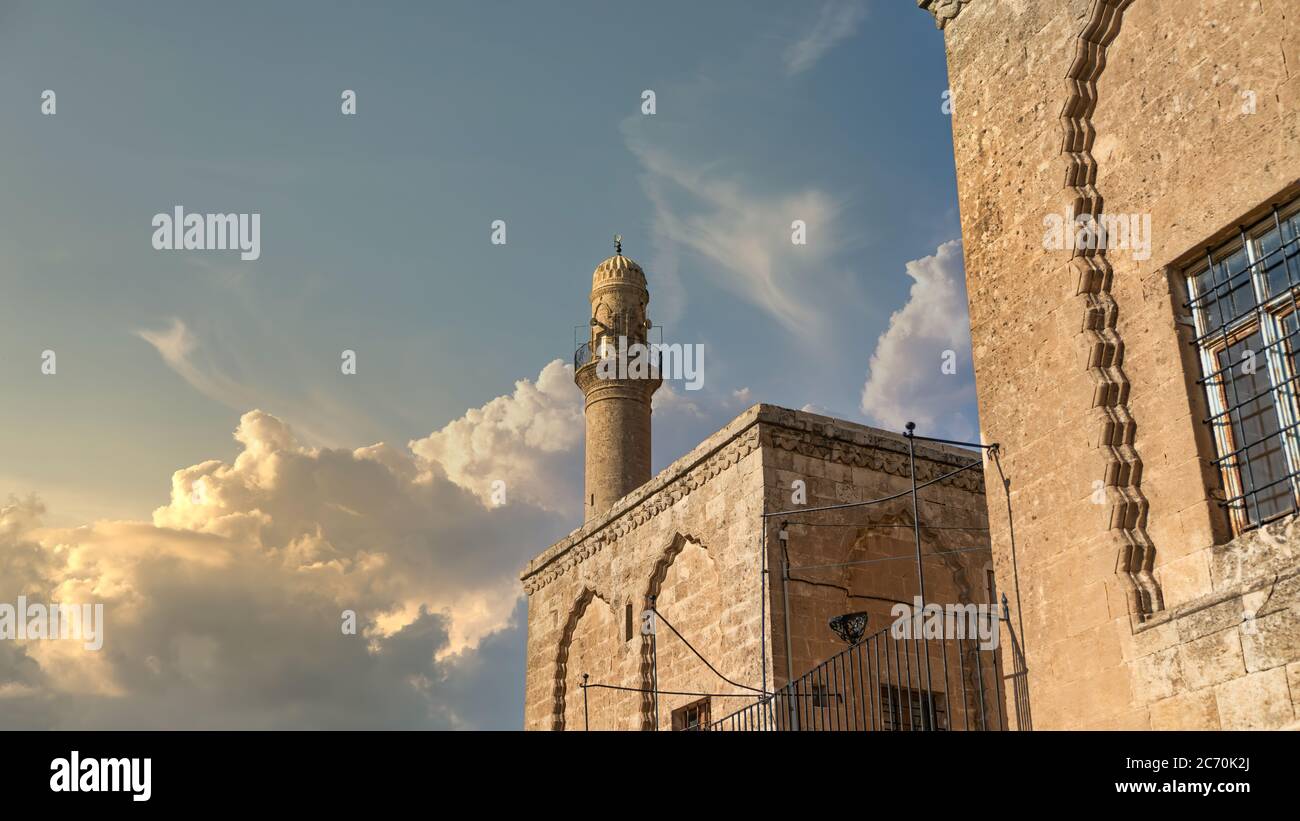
{"x":894,"y":701}
{"x":1243,"y":297}
{"x":694,"y":716}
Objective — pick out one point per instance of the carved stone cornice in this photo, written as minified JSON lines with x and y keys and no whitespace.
{"x":584,"y":546}
{"x":944,"y":11}
{"x":763,"y":426}
{"x":878,"y":457}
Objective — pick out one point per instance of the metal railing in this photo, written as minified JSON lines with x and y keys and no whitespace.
{"x":584,"y":355}
{"x":587,"y":353}
{"x":896,"y":679}
{"x":882,"y":683}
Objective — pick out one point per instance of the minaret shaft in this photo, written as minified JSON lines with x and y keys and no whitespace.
{"x":617,"y":409}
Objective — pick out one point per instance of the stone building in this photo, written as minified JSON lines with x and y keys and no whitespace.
{"x":1138,"y":368}
{"x":691,"y":539}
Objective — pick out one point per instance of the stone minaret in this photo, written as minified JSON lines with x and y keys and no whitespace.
{"x":617,"y":409}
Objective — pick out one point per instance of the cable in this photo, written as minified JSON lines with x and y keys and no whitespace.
{"x":871,"y":526}
{"x":700,"y":657}
{"x":669,"y":692}
{"x":760,"y":696}
{"x":890,"y":558}
{"x":937,"y":479}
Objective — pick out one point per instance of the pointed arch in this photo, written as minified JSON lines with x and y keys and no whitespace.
{"x":657,"y":575}
{"x":560,"y":693}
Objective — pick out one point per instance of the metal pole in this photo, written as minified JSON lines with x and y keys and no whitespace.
{"x":784,"y":536}
{"x":762,"y":600}
{"x":920,"y":570}
{"x":586,"y":720}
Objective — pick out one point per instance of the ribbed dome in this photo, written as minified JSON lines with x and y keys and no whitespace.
{"x":618,"y":269}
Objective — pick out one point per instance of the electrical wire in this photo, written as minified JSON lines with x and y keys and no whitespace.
{"x":901,"y":494}
{"x":691,"y":647}
{"x":873,"y":526}
{"x":890,"y":558}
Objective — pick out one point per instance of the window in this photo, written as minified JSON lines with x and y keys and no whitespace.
{"x":1243,"y":298}
{"x":694,"y":716}
{"x":892,"y":703}
{"x":627,"y":622}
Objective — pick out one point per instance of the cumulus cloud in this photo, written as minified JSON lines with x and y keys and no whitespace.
{"x":225,"y":609}
{"x":524,"y":440}
{"x":837,"y":21}
{"x":907,"y":380}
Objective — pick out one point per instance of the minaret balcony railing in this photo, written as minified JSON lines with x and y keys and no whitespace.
{"x":588,"y":354}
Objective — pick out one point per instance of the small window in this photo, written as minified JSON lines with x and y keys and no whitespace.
{"x":907,"y":709}
{"x":694,"y":716}
{"x":1243,"y":297}
{"x":627,"y":623}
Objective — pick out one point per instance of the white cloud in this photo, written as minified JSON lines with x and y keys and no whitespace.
{"x":837,"y":21}
{"x":670,"y":400}
{"x":525,"y":440}
{"x":744,"y":233}
{"x":178,"y":347}
{"x":225,"y":609}
{"x":317,"y":414}
{"x":906,"y":381}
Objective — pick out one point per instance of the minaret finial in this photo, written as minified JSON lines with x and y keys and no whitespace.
{"x":618,"y":245}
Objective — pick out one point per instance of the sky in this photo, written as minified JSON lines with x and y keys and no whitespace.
{"x":198,"y":461}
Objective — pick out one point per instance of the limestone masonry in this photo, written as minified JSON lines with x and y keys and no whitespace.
{"x":691,"y":537}
{"x":1150,"y":596}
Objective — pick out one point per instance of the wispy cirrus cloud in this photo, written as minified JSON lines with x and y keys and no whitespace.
{"x":742,"y":231}
{"x":178,"y":347}
{"x":317,"y":414}
{"x":837,"y":21}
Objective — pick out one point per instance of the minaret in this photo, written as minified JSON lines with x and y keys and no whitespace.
{"x":618,"y":399}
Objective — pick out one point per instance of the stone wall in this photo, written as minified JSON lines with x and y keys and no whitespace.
{"x":842,"y":463}
{"x":688,"y":536}
{"x":1230,"y":659}
{"x":1185,"y":111}
{"x":691,"y":537}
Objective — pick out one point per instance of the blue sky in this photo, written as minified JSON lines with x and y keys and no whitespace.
{"x":376,"y":228}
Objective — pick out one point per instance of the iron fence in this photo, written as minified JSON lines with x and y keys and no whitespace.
{"x":885,"y":683}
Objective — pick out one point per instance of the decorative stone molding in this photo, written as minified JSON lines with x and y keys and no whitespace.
{"x":1110,"y":401}
{"x":657,"y":576}
{"x":944,"y":11}
{"x":878,"y":459}
{"x":559,"y":693}
{"x":878,"y":453}
{"x":645,"y":510}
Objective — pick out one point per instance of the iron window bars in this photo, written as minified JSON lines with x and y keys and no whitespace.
{"x":926,"y":709}
{"x":694,"y":716}
{"x":1243,"y":298}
